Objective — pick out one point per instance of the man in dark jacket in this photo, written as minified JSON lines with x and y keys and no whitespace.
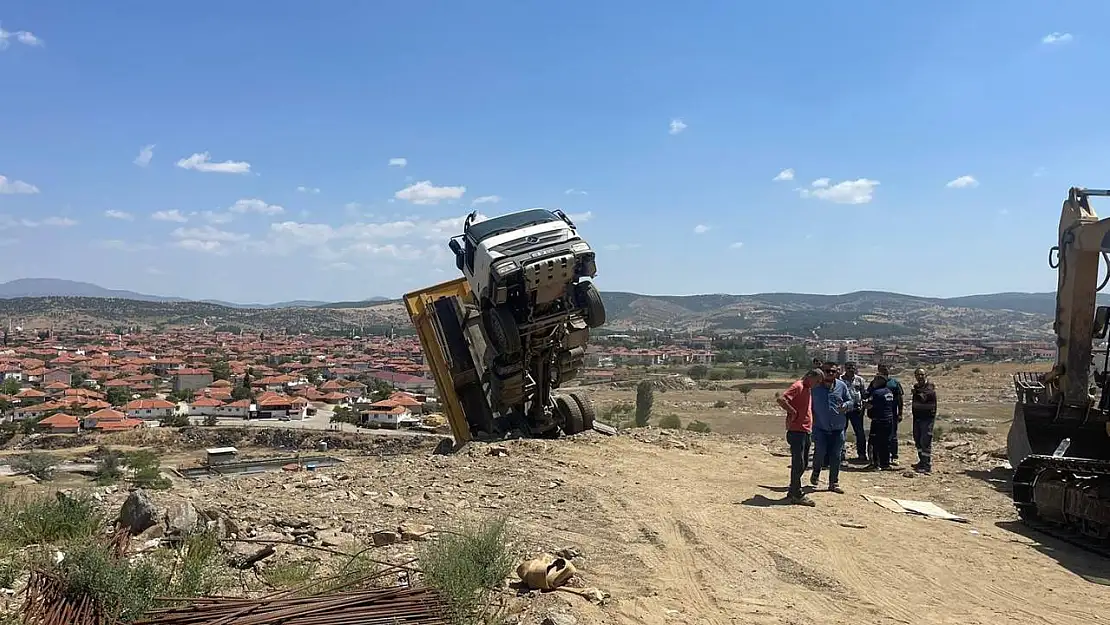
{"x":899,"y":403}
{"x":881,"y":410}
{"x":924,"y":408}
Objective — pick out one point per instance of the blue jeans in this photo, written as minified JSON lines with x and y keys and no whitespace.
{"x":855,"y":421}
{"x":827,"y":447}
{"x":799,"y":454}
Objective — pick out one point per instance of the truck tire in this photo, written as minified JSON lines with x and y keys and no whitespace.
{"x":589,"y":298}
{"x":501,"y":328}
{"x":572,"y":415}
{"x":587,"y":408}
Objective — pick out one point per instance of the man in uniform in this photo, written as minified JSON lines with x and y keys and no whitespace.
{"x":899,"y":403}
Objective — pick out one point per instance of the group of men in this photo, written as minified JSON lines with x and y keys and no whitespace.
{"x":825,"y":402}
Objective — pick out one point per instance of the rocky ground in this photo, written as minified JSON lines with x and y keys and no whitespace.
{"x":667,"y":526}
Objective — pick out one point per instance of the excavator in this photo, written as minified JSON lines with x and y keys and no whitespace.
{"x":1059,"y":440}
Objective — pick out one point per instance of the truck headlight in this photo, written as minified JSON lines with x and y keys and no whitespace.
{"x":505,"y":268}
{"x":580,"y":247}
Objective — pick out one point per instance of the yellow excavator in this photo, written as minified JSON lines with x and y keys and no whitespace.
{"x":1059,"y":440}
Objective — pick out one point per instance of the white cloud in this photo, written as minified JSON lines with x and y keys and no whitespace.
{"x":13,"y":187}
{"x":340,"y":266}
{"x":398,"y":162}
{"x":208,"y":233}
{"x":216,"y":218}
{"x":125,"y":246}
{"x":1038,"y":172}
{"x":575,"y":192}
{"x":1056,"y":38}
{"x":154,"y":271}
{"x":24,"y":37}
{"x":57,"y":222}
{"x":170,"y":215}
{"x":201,"y":161}
{"x":581,"y":217}
{"x":858,"y":191}
{"x":145,"y":154}
{"x":963,"y":182}
{"x":195,"y":245}
{"x":312,"y":190}
{"x":424,"y":192}
{"x":255,"y":206}
{"x":701,"y":229}
{"x":786,"y":174}
{"x":737,"y":245}
{"x":115,"y":214}
{"x":616,"y":247}
{"x":677,"y":126}
{"x":486,"y":199}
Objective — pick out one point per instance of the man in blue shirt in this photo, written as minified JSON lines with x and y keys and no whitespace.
{"x":899,"y":403}
{"x":832,"y":399}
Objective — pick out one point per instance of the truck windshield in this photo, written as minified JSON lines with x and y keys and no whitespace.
{"x":506,"y":223}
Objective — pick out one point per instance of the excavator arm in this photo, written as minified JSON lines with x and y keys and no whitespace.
{"x":1083,"y":239}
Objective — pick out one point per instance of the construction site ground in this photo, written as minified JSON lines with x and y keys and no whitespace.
{"x":680,"y":527}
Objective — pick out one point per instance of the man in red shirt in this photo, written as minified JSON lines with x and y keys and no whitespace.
{"x":799,"y":424}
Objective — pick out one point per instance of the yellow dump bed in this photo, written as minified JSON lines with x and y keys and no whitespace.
{"x":419,"y":306}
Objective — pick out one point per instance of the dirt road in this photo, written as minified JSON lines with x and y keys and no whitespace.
{"x":698,"y":535}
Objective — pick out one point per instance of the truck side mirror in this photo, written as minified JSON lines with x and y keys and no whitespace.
{"x":455,"y":246}
{"x":1102,"y":320}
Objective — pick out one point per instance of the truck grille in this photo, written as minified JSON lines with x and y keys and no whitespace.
{"x":523,"y":244}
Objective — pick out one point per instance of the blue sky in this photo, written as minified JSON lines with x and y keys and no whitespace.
{"x":928,"y":145}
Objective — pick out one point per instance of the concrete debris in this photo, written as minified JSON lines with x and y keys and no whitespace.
{"x":182,"y":518}
{"x":559,"y":618}
{"x":415,"y":531}
{"x":385,"y":537}
{"x":498,"y":450}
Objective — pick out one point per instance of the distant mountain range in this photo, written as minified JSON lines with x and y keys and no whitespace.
{"x":53,"y":287}
{"x":42,"y":302}
{"x":618,"y":303}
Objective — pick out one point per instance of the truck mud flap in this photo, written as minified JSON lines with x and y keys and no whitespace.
{"x":468,"y":383}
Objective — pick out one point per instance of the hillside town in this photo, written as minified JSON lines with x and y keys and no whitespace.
{"x":111,"y":382}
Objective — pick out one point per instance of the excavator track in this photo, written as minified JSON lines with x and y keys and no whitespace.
{"x":1066,"y":498}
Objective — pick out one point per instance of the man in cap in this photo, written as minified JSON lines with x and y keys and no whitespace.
{"x":923,"y":406}
{"x":899,"y":403}
{"x":881,"y":409}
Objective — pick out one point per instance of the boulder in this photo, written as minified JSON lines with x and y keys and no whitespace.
{"x":138,"y":512}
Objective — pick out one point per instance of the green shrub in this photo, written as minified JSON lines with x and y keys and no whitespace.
{"x":670,"y":422}
{"x":720,"y":403}
{"x":699,"y":426}
{"x":466,"y":565}
{"x":39,"y":464}
{"x":41,"y":520}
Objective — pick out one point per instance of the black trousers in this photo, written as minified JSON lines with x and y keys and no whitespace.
{"x":880,"y":442}
{"x":923,"y":440}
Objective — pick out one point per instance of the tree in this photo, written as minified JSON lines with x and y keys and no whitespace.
{"x":241,"y":392}
{"x":698,"y":372}
{"x":380,"y":389}
{"x":645,"y":397}
{"x":211,"y":420}
{"x":10,"y":386}
{"x":118,"y":396}
{"x":745,"y":389}
{"x":221,"y":370}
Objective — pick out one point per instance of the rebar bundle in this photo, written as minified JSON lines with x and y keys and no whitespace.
{"x":362,"y":607}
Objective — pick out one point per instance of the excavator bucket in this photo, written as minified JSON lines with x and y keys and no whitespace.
{"x":1017,"y":439}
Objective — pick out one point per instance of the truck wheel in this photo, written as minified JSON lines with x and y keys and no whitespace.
{"x":587,"y":408}
{"x":589,"y":298}
{"x":572,"y":415}
{"x":502,"y":330}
